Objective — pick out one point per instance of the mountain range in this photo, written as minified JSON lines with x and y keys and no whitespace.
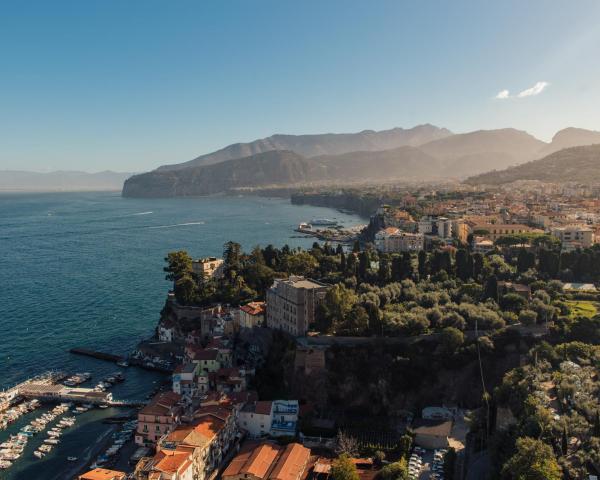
{"x":60,"y":181}
{"x":575,"y":164}
{"x":422,"y":153}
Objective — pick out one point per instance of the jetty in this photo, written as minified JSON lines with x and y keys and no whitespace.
{"x":109,"y":357}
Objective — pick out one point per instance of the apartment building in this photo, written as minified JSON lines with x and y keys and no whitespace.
{"x":158,"y":418}
{"x":275,"y":418}
{"x":392,"y":240}
{"x":573,"y":237}
{"x":291,"y":304}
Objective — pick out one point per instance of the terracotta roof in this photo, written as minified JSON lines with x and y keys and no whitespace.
{"x":269,"y":461}
{"x":263,"y":407}
{"x":292,"y":463}
{"x":254,"y":460}
{"x":161,"y":404}
{"x":171,"y":461}
{"x":102,"y":474}
{"x":254,"y":308}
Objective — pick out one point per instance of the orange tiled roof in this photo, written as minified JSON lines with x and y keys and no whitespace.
{"x":292,"y":463}
{"x":254,"y":460}
{"x":171,"y":461}
{"x":102,"y":474}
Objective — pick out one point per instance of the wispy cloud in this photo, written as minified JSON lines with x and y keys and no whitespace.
{"x":538,"y":88}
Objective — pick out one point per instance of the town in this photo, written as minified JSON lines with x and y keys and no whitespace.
{"x":455,"y":338}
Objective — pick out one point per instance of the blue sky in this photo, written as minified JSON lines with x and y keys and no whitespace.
{"x":130,"y":85}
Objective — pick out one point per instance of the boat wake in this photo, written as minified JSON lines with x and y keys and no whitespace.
{"x":140,"y":213}
{"x":178,"y":225}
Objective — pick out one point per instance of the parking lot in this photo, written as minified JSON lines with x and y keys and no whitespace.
{"x":426,"y":464}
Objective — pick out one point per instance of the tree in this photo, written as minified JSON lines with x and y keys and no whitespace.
{"x":464,"y":264}
{"x":528,"y":317}
{"x":491,"y":289}
{"x":186,"y":290}
{"x":343,"y":468}
{"x":477,"y":265}
{"x":178,"y":264}
{"x":525,"y":260}
{"x":533,"y":460}
{"x":363,"y":265}
{"x":345,"y":444}
{"x":384,"y":273}
{"x":404,"y":445}
{"x":423,"y":267}
{"x":451,"y":339}
{"x":395,"y":471}
{"x":232,"y":259}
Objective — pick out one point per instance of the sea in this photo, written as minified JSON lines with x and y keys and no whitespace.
{"x":86,"y":270}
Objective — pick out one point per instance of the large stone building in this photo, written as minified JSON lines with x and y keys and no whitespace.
{"x":393,"y":240}
{"x":291,"y":304}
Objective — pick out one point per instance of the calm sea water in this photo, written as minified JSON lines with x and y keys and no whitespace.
{"x":85,"y":269}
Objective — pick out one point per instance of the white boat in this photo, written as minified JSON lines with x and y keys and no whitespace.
{"x":72,"y":459}
{"x":39,"y":454}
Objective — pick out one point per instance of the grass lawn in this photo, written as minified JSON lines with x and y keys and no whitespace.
{"x":582,"y":308}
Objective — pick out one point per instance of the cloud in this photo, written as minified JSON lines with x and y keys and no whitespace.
{"x":538,"y":88}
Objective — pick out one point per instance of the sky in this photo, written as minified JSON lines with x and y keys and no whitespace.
{"x":130,"y":85}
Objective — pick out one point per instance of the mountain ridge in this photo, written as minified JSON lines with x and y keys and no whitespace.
{"x":311,"y":145}
{"x":574,"y":164}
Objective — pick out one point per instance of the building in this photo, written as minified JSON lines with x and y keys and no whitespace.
{"x":209,"y":267}
{"x":166,"y":465}
{"x":157,"y":418}
{"x":208,"y":438}
{"x":483,"y":246}
{"x":102,"y":474}
{"x":185,"y":380}
{"x":268,"y":461}
{"x":275,"y":418}
{"x":432,"y":434}
{"x":252,"y":314}
{"x":573,"y":237}
{"x":291,"y":304}
{"x":392,"y":240}
{"x":460,"y":230}
{"x":494,"y":231}
{"x":443,"y":227}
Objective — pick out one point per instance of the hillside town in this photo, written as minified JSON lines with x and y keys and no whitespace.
{"x":457,"y":322}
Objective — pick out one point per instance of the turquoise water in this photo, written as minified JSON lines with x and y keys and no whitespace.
{"x":85,"y":269}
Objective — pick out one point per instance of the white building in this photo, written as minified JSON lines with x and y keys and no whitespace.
{"x":276,"y":418}
{"x":573,"y":237}
{"x":393,"y":240}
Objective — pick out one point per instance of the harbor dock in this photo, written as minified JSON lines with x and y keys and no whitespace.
{"x":100,"y":355}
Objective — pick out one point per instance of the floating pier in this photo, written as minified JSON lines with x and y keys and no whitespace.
{"x":109,"y":357}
